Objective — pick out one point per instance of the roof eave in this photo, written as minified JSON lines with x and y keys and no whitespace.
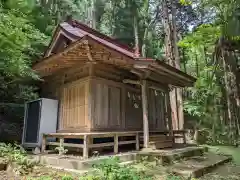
{"x":185,"y":79}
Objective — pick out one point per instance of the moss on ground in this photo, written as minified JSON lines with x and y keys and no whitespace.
{"x":228,"y":150}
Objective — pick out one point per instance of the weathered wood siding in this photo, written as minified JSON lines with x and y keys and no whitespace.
{"x":74,"y":106}
{"x":106,"y":105}
{"x":101,"y":102}
{"x":117,"y":106}
{"x":133,"y":113}
{"x":157,"y":110}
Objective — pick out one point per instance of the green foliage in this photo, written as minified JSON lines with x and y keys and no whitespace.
{"x":67,"y":177}
{"x":110,"y":169}
{"x":173,"y":177}
{"x":204,"y":35}
{"x":206,"y":102}
{"x":17,"y":36}
{"x":15,"y":154}
{"x":185,"y":2}
{"x":20,"y":44}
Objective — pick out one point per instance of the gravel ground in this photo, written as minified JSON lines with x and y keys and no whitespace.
{"x":5,"y":176}
{"x":37,"y":173}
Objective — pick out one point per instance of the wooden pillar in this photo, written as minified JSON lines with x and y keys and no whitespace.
{"x":115,"y":143}
{"x":169,"y":115}
{"x":137,"y":141}
{"x":145,"y":113}
{"x":184,"y":137}
{"x":44,"y":141}
{"x":85,"y":146}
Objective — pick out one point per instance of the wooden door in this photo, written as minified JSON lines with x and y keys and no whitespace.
{"x":73,"y":106}
{"x":106,"y":106}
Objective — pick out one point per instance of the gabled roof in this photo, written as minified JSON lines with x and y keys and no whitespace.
{"x":76,"y":30}
{"x":84,"y":37}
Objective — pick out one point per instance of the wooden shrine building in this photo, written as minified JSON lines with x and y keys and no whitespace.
{"x":104,"y":89}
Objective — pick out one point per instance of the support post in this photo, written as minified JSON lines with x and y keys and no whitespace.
{"x":169,"y":116}
{"x":137,"y":141}
{"x":145,"y":113}
{"x":115,"y":143}
{"x":44,"y":141}
{"x":85,"y":146}
{"x":184,"y":138}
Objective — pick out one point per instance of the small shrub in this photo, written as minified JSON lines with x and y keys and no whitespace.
{"x":16,"y":154}
{"x":61,"y":150}
{"x":110,"y":169}
{"x":67,"y":177}
{"x":172,"y":177}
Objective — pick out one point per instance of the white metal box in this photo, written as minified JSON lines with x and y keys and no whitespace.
{"x":40,"y":117}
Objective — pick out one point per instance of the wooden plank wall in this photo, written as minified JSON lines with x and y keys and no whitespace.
{"x":106,"y":105}
{"x":98,"y":104}
{"x":157,"y":110}
{"x":117,"y":106}
{"x":133,"y":113}
{"x":74,"y":106}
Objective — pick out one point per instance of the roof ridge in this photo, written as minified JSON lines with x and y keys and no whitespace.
{"x":76,"y":23}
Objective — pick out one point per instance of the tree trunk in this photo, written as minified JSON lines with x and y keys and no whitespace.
{"x":170,"y":59}
{"x":136,"y":38}
{"x":91,"y":15}
{"x":147,"y":24}
{"x":228,"y":97}
{"x":178,"y":66}
{"x":172,"y":55}
{"x":144,"y":53}
{"x":231,"y":62}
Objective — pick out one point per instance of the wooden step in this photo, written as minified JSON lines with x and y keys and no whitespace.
{"x":161,"y":144}
{"x":157,"y":138}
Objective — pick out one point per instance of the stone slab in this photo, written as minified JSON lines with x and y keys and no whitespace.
{"x":170,"y":155}
{"x":197,"y":166}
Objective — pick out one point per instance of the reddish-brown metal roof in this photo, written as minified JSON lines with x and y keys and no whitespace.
{"x":79,"y":29}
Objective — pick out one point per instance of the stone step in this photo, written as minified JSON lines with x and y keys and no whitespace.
{"x":197,"y":166}
{"x":227,"y":171}
{"x":167,"y":156}
{"x":81,"y":164}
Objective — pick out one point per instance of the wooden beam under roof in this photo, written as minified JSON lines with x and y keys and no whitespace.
{"x":129,"y":81}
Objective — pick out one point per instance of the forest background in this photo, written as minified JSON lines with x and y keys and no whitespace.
{"x":200,"y":37}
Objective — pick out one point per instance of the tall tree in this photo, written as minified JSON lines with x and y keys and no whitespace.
{"x":173,"y":58}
